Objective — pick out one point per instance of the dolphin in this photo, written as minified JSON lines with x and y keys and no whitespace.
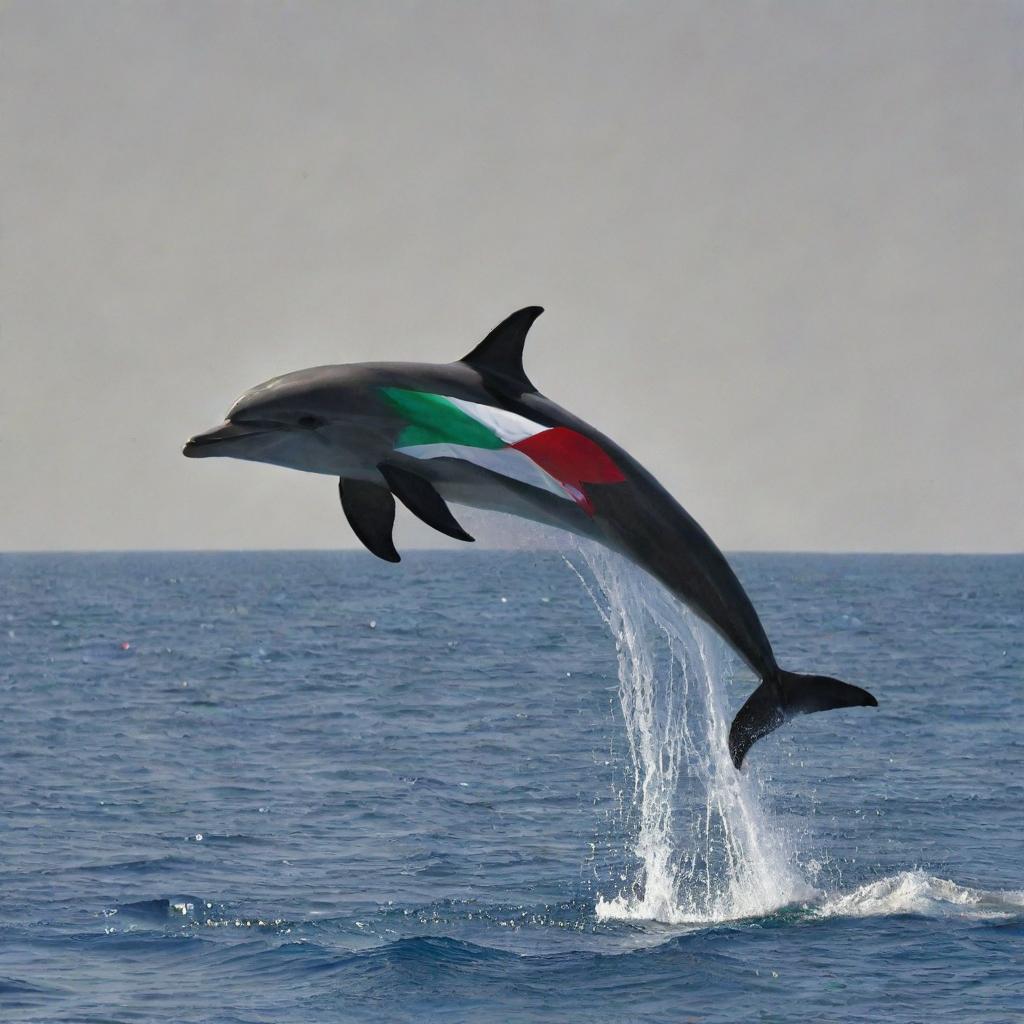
{"x":477,"y":432}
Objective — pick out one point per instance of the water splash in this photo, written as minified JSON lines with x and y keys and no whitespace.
{"x":705,"y":847}
{"x":915,"y":892}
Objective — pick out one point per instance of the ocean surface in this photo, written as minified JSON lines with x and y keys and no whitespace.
{"x":491,"y":786}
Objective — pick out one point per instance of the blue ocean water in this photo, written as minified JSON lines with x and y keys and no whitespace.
{"x":285,"y":787}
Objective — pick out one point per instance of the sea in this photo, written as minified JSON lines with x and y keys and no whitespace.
{"x":492,"y":785}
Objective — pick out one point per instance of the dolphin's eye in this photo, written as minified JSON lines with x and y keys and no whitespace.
{"x":310,"y":422}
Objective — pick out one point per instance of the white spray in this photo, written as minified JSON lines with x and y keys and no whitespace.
{"x":725,"y":859}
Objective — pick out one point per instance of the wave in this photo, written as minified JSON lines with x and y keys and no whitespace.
{"x":907,"y":893}
{"x":466,"y":938}
{"x":186,"y":912}
{"x":920,"y":894}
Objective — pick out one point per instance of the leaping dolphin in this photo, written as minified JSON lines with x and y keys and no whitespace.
{"x":477,"y":432}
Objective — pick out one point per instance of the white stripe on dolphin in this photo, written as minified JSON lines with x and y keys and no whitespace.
{"x":477,"y":432}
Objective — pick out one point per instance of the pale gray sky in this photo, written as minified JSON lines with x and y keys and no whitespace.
{"x":780,"y":246}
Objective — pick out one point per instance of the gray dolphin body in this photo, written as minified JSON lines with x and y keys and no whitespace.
{"x":476,"y":432}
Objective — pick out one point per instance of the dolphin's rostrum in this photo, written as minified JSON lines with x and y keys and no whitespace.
{"x":477,"y":432}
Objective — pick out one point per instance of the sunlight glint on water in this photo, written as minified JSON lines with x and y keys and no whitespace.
{"x":706,"y":848}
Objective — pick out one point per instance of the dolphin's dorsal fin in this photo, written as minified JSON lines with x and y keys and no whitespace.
{"x":500,"y":354}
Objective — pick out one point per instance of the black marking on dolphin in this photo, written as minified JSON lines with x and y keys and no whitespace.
{"x":477,"y":432}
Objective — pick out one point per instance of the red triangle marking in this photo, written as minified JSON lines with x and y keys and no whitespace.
{"x":572,"y":459}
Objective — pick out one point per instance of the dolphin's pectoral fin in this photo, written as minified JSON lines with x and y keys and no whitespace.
{"x":788,"y":695}
{"x":422,"y":500}
{"x":500,"y":354}
{"x":370,"y":511}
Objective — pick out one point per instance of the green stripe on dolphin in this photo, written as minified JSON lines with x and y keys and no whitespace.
{"x":435,"y":420}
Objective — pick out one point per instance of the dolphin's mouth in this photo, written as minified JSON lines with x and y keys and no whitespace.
{"x":198,"y":446}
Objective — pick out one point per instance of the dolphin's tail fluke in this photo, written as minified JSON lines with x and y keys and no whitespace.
{"x":783,"y":697}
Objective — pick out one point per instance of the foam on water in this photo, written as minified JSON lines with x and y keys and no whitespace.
{"x":915,"y":892}
{"x":706,"y":849}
